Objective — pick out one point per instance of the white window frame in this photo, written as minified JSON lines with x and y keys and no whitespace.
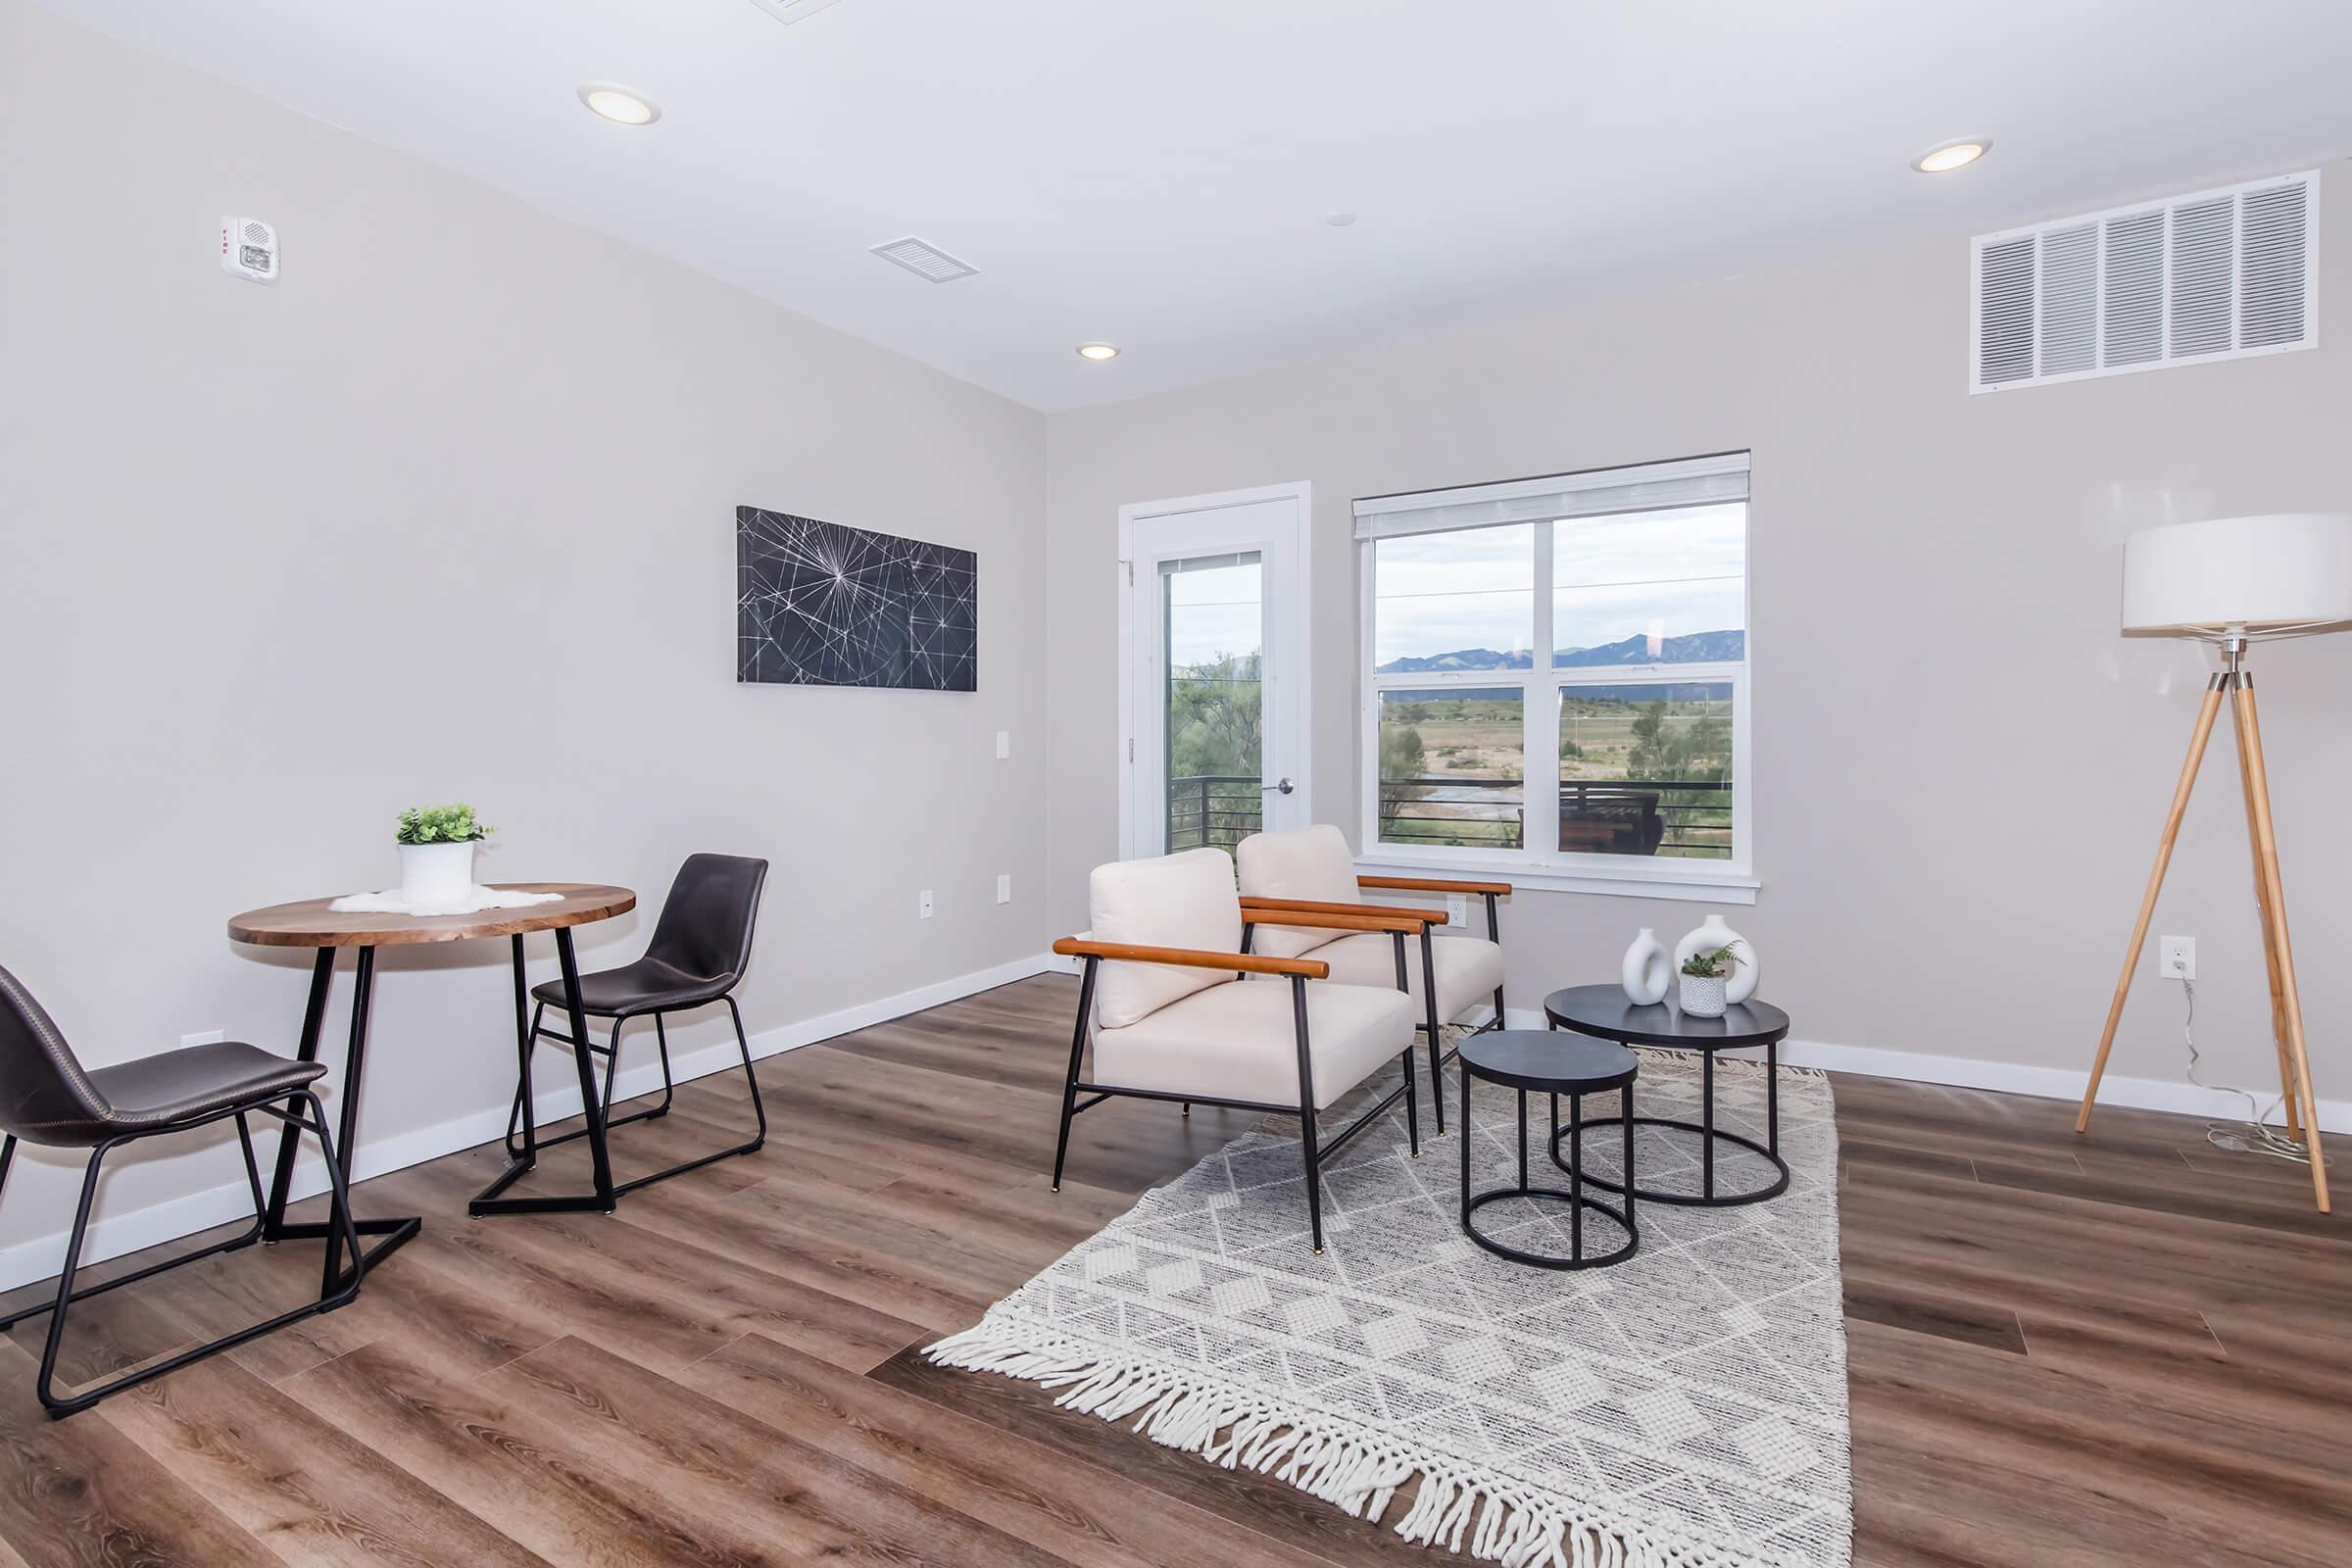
{"x":1540,"y":863}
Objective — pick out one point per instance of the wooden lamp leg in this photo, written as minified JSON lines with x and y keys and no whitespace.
{"x":2290,"y":1099}
{"x":2266,"y":857}
{"x":2147,"y":902}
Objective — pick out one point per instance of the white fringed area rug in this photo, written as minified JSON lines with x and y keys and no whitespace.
{"x":1684,"y":1409}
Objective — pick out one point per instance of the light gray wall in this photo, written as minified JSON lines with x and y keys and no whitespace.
{"x":446,"y":513}
{"x":1960,"y":768}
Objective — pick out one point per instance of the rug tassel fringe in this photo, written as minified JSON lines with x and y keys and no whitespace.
{"x":1350,"y":1471}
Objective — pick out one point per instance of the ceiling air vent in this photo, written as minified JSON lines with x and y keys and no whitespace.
{"x":2214,"y":276}
{"x":924,"y":260}
{"x":790,"y":11}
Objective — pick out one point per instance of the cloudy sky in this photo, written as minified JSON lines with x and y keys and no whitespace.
{"x":1657,"y":573}
{"x":1654,"y":573}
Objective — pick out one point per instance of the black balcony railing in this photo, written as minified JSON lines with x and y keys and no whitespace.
{"x":1675,"y":817}
{"x":1672,"y":817}
{"x":1215,"y":809}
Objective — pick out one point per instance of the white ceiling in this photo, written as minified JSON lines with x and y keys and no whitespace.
{"x":1157,"y":174}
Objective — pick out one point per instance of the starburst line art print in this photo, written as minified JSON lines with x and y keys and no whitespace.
{"x":819,"y":604}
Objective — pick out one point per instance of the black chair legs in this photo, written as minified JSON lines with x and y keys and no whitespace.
{"x":340,"y":1295}
{"x":529,"y":1147}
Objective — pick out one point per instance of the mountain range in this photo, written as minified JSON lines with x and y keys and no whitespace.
{"x":1693,"y":648}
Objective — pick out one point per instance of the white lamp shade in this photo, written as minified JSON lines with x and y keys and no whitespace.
{"x":2283,"y":575}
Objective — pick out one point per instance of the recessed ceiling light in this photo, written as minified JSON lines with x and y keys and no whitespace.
{"x":1098,"y":351}
{"x":619,"y":104}
{"x":1339,"y":219}
{"x":1944,"y":157}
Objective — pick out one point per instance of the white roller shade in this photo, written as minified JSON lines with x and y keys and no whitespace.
{"x":1650,"y":487}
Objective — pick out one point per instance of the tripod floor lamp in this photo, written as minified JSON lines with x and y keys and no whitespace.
{"x":2235,"y":582}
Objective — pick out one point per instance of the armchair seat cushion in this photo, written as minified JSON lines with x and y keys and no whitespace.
{"x":1237,"y":1041}
{"x":1469,"y":968}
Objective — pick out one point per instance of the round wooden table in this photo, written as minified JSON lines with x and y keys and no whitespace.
{"x":311,"y":923}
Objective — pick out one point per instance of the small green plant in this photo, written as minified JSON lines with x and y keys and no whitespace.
{"x":1715,"y":965}
{"x":440,"y":824}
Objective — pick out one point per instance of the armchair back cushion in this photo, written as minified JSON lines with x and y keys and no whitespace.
{"x":1313,"y":864}
{"x":1177,"y":901}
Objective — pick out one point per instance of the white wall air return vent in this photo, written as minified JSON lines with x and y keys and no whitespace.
{"x":2219,"y":274}
{"x":790,"y":11}
{"x":924,"y":260}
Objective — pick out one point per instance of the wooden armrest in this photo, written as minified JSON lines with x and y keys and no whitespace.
{"x":1395,"y":912}
{"x":1356,"y":920}
{"x":1193,"y":958}
{"x":1426,"y":884}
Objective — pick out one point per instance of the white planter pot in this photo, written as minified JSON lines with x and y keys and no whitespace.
{"x":1646,"y":972}
{"x":1702,"y":998}
{"x":436,"y":873}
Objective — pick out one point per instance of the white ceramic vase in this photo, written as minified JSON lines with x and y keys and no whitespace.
{"x":1711,"y":934}
{"x":436,"y":873}
{"x":1647,"y":971}
{"x":1703,"y":996}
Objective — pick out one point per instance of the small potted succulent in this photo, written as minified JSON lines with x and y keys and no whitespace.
{"x":436,"y":852}
{"x":1704,"y":976}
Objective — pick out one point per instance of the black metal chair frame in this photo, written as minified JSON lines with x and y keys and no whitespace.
{"x":338,"y":1289}
{"x":1315,"y":1151}
{"x":1440,"y":1054}
{"x":522,"y":1118}
{"x":596,"y":1107}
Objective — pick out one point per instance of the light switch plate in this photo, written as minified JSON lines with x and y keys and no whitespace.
{"x":1003,"y":744}
{"x":1005,"y":888}
{"x":922,"y":907}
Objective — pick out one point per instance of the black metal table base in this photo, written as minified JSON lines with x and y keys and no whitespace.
{"x":394,"y":1231}
{"x":397,"y":1231}
{"x":1574,"y":1197}
{"x":1706,"y":1196}
{"x":604,"y":1196}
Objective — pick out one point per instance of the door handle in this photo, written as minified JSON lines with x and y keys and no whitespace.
{"x":1278,"y":787}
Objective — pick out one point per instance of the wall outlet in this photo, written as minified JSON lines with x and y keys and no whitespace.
{"x":203,"y":1037}
{"x":1004,"y":889}
{"x":1457,"y":912}
{"x":922,"y":904}
{"x":1003,"y":744}
{"x":2177,"y":957}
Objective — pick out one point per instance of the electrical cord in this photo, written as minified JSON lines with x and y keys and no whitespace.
{"x":2254,"y":1135}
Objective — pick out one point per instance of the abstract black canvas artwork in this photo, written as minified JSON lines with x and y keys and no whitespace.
{"x":817,"y":604}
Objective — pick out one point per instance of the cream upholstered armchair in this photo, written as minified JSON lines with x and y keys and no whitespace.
{"x":1309,"y":871}
{"x":1165,"y":1001}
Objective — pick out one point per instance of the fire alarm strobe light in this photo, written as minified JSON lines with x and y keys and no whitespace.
{"x":249,"y":249}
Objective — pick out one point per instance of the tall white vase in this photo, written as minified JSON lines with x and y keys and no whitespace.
{"x":1711,"y":934}
{"x":1646,"y":972}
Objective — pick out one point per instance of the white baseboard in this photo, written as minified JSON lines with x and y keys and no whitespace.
{"x":113,"y":1235}
{"x":2011,"y":1078}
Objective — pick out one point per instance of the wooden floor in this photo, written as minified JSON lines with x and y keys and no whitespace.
{"x":2126,"y":1349}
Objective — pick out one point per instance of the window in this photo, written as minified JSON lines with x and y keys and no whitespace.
{"x":1634,"y":582}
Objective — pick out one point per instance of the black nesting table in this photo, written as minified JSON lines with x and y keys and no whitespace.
{"x":1549,"y":1064}
{"x":1602,"y":1012}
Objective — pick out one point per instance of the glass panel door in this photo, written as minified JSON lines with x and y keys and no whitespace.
{"x":1214,"y":706}
{"x":1214,"y":746}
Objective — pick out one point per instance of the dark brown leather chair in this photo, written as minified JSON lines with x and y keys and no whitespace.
{"x":48,"y":1098}
{"x":702,"y":945}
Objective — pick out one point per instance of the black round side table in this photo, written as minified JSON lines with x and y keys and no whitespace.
{"x":1603,"y":1013}
{"x":1541,"y":1060}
